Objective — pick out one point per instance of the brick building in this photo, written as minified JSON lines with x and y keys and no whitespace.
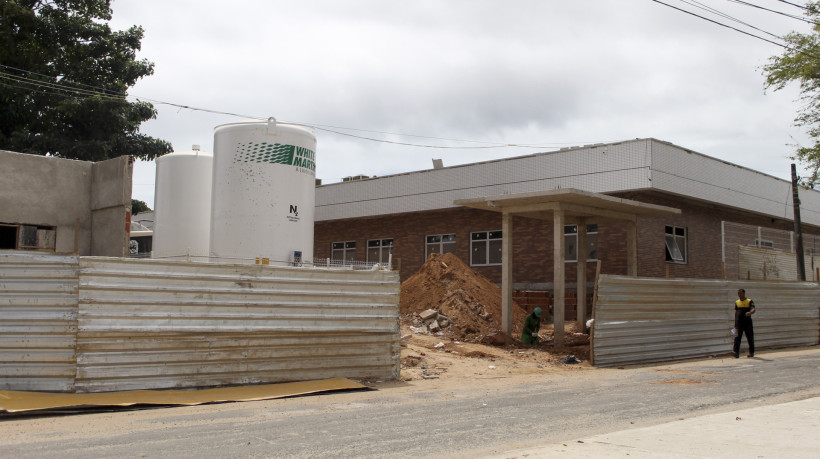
{"x":412,"y":215}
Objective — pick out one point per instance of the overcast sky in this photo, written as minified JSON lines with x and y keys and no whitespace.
{"x":464,"y":72}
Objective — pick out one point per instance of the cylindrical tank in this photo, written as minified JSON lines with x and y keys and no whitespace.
{"x":264,"y":193}
{"x":182,"y":205}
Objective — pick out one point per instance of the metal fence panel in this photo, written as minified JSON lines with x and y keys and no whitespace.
{"x":164,"y":324}
{"x":641,"y":320}
{"x":38,"y":307}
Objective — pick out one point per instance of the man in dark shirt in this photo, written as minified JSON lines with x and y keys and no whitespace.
{"x":529,"y":335}
{"x":744,"y":308}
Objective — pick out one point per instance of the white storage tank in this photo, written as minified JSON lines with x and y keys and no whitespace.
{"x":264,"y":193}
{"x":182,"y":205}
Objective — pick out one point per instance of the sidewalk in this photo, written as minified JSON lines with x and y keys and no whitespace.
{"x":787,"y":430}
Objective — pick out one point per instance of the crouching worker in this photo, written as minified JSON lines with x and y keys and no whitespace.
{"x":531,"y":326}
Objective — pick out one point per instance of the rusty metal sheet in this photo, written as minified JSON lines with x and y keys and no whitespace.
{"x":38,"y":306}
{"x":641,"y":320}
{"x":19,"y":401}
{"x":167,"y":324}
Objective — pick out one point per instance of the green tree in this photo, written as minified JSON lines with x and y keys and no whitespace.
{"x":138,"y":206}
{"x":800,"y":62}
{"x":63,"y":78}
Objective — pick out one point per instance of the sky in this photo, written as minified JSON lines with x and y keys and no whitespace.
{"x":539,"y":75}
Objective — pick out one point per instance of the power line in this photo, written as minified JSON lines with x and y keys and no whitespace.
{"x":731,"y":18}
{"x":794,"y":4}
{"x":721,"y":24}
{"x":64,"y":90}
{"x":799,"y":18}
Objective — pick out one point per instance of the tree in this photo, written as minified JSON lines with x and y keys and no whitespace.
{"x":63,"y":80}
{"x":800,"y":62}
{"x":138,"y":206}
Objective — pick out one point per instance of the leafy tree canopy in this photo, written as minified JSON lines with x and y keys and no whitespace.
{"x":800,"y":62}
{"x":63,"y":78}
{"x":138,"y":206}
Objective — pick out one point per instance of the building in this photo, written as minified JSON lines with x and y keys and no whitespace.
{"x":724,"y":207}
{"x":57,"y":205}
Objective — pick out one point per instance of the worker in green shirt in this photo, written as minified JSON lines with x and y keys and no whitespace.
{"x":531,"y":326}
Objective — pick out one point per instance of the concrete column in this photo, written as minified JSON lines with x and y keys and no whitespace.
{"x":558,"y":276}
{"x":631,"y":248}
{"x":506,"y":273}
{"x":581,"y":278}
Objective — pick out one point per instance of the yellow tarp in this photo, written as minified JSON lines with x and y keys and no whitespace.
{"x":17,"y":401}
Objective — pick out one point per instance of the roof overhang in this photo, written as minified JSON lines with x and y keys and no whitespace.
{"x":574,"y":204}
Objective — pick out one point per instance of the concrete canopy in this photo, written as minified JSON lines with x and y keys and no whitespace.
{"x":562,"y":206}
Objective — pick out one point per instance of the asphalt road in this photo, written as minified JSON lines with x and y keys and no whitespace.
{"x":472,"y":418}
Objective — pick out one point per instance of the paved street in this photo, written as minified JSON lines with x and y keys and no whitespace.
{"x":480,"y":417}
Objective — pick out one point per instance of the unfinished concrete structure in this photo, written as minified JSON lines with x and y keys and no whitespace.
{"x":57,"y":205}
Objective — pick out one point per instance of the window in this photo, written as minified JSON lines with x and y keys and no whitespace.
{"x":675,"y":244}
{"x":379,"y":250}
{"x":571,"y":243}
{"x":440,"y":243}
{"x":764,"y":243}
{"x":27,"y":237}
{"x":485,"y":248}
{"x":343,"y":251}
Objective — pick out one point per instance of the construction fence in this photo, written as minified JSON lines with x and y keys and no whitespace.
{"x":759,"y":253}
{"x":642,"y":320}
{"x":92,"y":324}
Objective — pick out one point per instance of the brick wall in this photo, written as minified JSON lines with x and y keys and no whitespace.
{"x":532,"y":240}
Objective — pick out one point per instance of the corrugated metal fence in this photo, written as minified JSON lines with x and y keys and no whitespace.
{"x":38,"y":321}
{"x":641,"y":320}
{"x":161,"y":324}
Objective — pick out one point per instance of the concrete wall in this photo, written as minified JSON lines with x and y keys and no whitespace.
{"x":87,"y":202}
{"x":111,"y":206}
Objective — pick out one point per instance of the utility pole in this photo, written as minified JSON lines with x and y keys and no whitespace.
{"x":801,"y":265}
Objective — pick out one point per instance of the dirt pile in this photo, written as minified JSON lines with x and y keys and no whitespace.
{"x":468,"y":302}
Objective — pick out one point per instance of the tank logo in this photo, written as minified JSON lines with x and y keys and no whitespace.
{"x":275,"y":153}
{"x":294,"y":213}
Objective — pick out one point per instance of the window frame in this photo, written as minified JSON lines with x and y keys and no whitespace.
{"x":23,"y":230}
{"x":346,"y":248}
{"x":487,"y":244}
{"x":441,"y":243}
{"x":669,"y":256}
{"x":575,"y":235}
{"x":381,"y":247}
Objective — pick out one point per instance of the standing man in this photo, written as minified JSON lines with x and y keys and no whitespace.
{"x":529,"y":335}
{"x":744,"y":308}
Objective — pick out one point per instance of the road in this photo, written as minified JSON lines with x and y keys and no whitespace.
{"x":467,"y":418}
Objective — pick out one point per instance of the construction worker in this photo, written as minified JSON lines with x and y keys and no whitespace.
{"x":531,"y":326}
{"x":744,"y":308}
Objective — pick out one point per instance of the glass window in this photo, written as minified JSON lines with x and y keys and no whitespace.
{"x":485,"y":248}
{"x":343,"y":251}
{"x":440,"y":243}
{"x":379,"y":250}
{"x":571,"y":243}
{"x":675,"y":244}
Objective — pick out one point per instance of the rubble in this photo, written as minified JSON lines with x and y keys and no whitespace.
{"x":446,"y":295}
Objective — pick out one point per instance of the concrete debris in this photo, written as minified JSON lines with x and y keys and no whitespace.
{"x":570,"y":360}
{"x":439,"y":345}
{"x":428,"y":314}
{"x":434,"y":326}
{"x":419,"y":330}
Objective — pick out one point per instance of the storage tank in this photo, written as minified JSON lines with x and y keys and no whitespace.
{"x":264,"y":193}
{"x":182,"y":205}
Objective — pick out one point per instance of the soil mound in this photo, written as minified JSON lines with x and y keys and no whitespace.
{"x":469,"y":302}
